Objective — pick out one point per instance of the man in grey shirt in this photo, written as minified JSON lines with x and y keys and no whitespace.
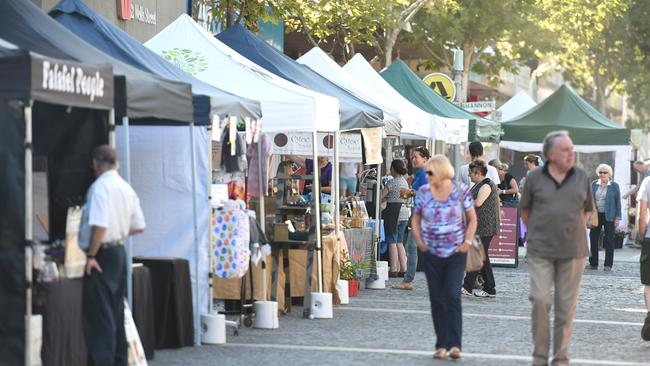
{"x":555,"y":205}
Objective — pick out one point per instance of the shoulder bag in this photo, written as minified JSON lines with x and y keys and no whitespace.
{"x":476,"y":253}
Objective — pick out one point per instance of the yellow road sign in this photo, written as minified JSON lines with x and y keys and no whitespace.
{"x":441,"y":84}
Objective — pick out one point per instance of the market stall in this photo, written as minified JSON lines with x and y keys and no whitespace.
{"x":56,"y":111}
{"x":411,"y":87}
{"x":590,"y":131}
{"x":519,"y":104}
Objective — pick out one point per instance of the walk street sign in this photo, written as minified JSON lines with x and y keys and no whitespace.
{"x":441,"y":84}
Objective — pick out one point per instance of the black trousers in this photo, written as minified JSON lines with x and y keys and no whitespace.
{"x":486,"y":271}
{"x":103,"y":309}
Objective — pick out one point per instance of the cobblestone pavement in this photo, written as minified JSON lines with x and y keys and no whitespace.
{"x":394,"y":327}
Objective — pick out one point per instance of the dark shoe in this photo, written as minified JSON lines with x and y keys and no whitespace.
{"x":589,"y":266}
{"x":401,"y":274}
{"x":392,"y":274}
{"x":645,"y":331}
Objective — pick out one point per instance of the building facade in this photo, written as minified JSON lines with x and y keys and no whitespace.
{"x":142,"y":19}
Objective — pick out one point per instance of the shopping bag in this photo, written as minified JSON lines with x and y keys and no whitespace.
{"x":135,"y":350}
{"x":75,"y":258}
{"x":230,"y":240}
{"x":475,"y":256}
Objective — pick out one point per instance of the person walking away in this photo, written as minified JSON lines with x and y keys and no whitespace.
{"x":642,"y":172}
{"x":487,"y":207}
{"x":349,"y":173}
{"x":643,"y":197}
{"x":607,"y":196}
{"x":555,"y":204}
{"x":111,"y":213}
{"x":419,"y":156}
{"x":395,"y":218}
{"x":508,"y":189}
{"x":476,"y":153}
{"x":443,"y":239}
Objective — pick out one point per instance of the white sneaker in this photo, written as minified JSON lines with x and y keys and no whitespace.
{"x":464,"y":292}
{"x":481,"y":293}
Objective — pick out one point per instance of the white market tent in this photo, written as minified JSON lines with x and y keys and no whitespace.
{"x":416,"y":123}
{"x":285,"y":106}
{"x":317,"y":60}
{"x":519,"y":104}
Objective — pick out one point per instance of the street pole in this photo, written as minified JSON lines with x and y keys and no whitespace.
{"x":457,"y":73}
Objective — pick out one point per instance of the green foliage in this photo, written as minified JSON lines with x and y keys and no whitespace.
{"x":352,"y":270}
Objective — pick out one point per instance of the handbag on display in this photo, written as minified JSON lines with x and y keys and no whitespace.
{"x":358,"y":215}
{"x":75,"y":258}
{"x":476,"y":253}
{"x":230,"y":240}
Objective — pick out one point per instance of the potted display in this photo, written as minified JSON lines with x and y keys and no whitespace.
{"x":351,"y":272}
{"x":619,"y":236}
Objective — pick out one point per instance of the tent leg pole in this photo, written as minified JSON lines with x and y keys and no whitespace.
{"x":378,"y":211}
{"x":197,"y":309}
{"x":262,"y":217}
{"x":111,"y":128}
{"x":336,"y":191}
{"x":29,"y":232}
{"x":129,"y":240}
{"x":316,"y":193}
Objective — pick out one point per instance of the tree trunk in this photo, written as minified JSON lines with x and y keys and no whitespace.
{"x":601,"y":100}
{"x":388,"y":53}
{"x":468,"y":55}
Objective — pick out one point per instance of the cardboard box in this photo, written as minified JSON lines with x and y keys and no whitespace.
{"x":280,"y":232}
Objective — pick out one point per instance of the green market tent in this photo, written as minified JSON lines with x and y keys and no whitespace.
{"x":566,"y":110}
{"x":590,"y":131}
{"x":409,"y":85}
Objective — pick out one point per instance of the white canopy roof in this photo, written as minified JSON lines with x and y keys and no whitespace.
{"x":285,"y":106}
{"x":317,"y":60}
{"x":515,"y":106}
{"x":416,"y":123}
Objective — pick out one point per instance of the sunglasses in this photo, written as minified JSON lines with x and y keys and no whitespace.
{"x":429,"y":173}
{"x":603,"y":172}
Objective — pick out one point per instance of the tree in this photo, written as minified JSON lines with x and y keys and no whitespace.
{"x":230,"y":12}
{"x":495,"y":36}
{"x":591,"y":37}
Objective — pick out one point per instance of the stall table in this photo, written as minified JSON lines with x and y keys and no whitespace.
{"x":172,"y":289}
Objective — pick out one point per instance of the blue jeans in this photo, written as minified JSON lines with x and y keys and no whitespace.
{"x":444,"y":278}
{"x":411,"y":257}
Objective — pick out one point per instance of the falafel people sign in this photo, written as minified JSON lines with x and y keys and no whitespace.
{"x":299,"y":143}
{"x":72,"y":83}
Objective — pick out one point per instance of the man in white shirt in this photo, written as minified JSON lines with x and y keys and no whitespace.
{"x":111,"y":213}
{"x":643,"y":198}
{"x":476,"y":153}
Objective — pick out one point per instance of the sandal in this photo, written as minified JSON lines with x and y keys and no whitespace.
{"x":440,"y":354}
{"x":454,"y":353}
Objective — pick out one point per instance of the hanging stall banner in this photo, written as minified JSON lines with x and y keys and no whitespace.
{"x":504,"y":250}
{"x":457,"y":129}
{"x":71,"y":83}
{"x":372,"y":145}
{"x":299,"y":143}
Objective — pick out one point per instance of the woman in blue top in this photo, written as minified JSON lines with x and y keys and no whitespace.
{"x":443,"y":239}
{"x":419,"y":156}
{"x":607,"y":196}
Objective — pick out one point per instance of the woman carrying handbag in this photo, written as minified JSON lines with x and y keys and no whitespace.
{"x":443,"y":238}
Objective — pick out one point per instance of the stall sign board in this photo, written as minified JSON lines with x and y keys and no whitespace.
{"x":300,"y":144}
{"x":504,"y":250}
{"x":477,"y":107}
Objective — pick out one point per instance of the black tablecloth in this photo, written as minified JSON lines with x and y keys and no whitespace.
{"x":143,"y":309}
{"x":63,"y":335}
{"x":172,"y":293}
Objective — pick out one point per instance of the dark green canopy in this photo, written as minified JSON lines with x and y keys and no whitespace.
{"x":566,"y":110}
{"x":409,"y":85}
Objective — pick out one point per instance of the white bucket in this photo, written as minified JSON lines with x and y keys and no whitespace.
{"x":379,"y":284}
{"x":266,"y":315}
{"x":321,"y":305}
{"x":382,"y":270}
{"x":213,"y":328}
{"x":342,"y":288}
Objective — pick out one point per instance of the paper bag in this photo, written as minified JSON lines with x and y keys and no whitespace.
{"x":136,"y":352}
{"x":75,"y":258}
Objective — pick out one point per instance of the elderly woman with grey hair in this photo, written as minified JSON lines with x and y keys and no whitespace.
{"x":607,"y":196}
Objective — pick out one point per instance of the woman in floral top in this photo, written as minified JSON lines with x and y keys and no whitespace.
{"x":443,"y":240}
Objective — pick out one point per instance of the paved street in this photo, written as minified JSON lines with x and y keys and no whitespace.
{"x":393,"y":327}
